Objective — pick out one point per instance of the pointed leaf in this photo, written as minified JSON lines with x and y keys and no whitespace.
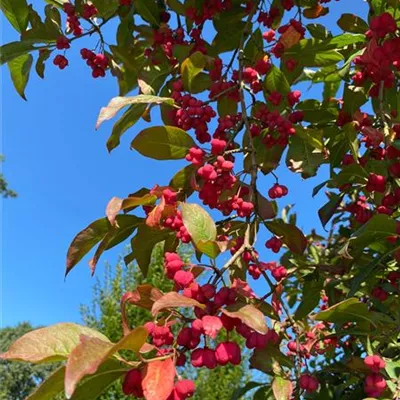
{"x":50,"y":387}
{"x":163,"y":143}
{"x":91,"y":352}
{"x":350,"y":310}
{"x":13,"y":50}
{"x":117,"y":103}
{"x":292,"y":236}
{"x":192,"y":67}
{"x":282,"y":388}
{"x":128,"y":119}
{"x":174,"y":300}
{"x":16,"y":11}
{"x":199,"y":224}
{"x":20,"y":68}
{"x":158,"y":379}
{"x":53,"y":343}
{"x":249,"y":315}
{"x":143,"y":243}
{"x":85,"y":240}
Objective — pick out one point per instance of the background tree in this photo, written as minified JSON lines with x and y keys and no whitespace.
{"x":5,"y":191}
{"x":17,"y":380}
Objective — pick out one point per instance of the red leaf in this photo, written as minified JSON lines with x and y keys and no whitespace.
{"x":158,"y":379}
{"x":144,"y":296}
{"x":113,"y":208}
{"x":173,"y":299}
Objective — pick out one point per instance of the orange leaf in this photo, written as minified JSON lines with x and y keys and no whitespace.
{"x":173,"y":299}
{"x":315,"y":12}
{"x":158,"y":379}
{"x":290,"y":37}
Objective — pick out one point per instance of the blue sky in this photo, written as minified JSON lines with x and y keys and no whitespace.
{"x":64,"y":176}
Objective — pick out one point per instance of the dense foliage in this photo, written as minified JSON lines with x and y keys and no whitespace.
{"x":17,"y":380}
{"x":226,"y":77}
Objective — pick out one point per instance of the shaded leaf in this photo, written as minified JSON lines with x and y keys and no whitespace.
{"x":292,"y":236}
{"x":350,"y":310}
{"x":275,"y":81}
{"x":192,"y":67}
{"x":13,"y":50}
{"x":85,"y":240}
{"x":352,"y":23}
{"x":327,"y":211}
{"x":143,"y":243}
{"x":310,"y":298}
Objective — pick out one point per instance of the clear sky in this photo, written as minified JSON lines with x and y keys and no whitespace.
{"x":64,"y":176}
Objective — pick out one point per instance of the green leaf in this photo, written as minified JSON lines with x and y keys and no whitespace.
{"x":128,"y":119}
{"x":378,"y":6}
{"x":353,"y":173}
{"x":40,"y":63}
{"x":163,"y":143}
{"x":318,"y":31}
{"x":149,"y":11}
{"x":350,"y":310}
{"x":17,"y":12}
{"x":310,"y":299}
{"x":327,"y":211}
{"x":228,"y":38}
{"x":85,"y":240}
{"x":124,"y":227}
{"x":143,"y":243}
{"x":53,"y":343}
{"x":275,"y":81}
{"x":378,"y":228}
{"x":282,"y":388}
{"x":350,"y":133}
{"x":13,"y":50}
{"x":352,"y":23}
{"x":176,"y":6}
{"x":50,"y":387}
{"x":117,"y":103}
{"x":226,"y":106}
{"x":353,"y":98}
{"x":20,"y":68}
{"x":318,"y":53}
{"x":303,"y":158}
{"x":182,"y":179}
{"x":192,"y":67}
{"x":91,"y":352}
{"x":238,"y":393}
{"x":292,"y":236}
{"x":269,"y":360}
{"x":93,"y":387}
{"x":318,"y":113}
{"x":198,"y":222}
{"x":264,"y":393}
